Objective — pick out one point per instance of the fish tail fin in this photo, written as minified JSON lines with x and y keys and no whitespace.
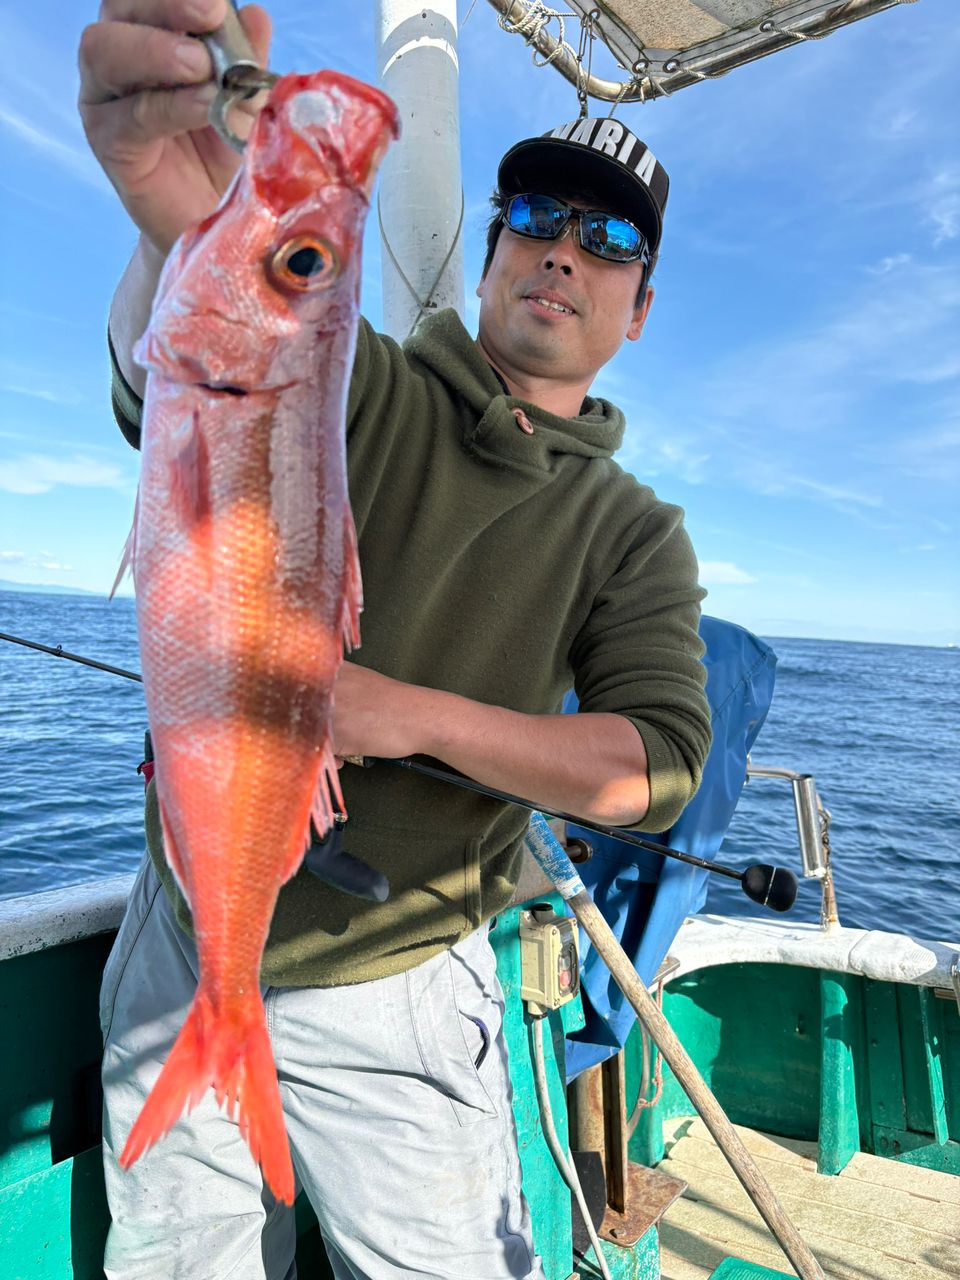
{"x":234,"y":1057}
{"x":352,"y":585}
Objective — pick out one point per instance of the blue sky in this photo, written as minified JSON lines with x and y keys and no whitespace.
{"x":797,"y":389}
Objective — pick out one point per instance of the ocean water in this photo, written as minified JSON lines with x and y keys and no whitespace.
{"x":877,"y":726}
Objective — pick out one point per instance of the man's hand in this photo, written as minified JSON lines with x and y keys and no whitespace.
{"x":145,"y":94}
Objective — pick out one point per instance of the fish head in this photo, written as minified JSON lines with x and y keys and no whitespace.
{"x":246,"y":295}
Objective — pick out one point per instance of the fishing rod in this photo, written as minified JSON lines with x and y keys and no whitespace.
{"x":60,"y":652}
{"x":773,"y":887}
{"x":769,"y":886}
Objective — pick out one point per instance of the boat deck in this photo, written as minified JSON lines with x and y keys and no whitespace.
{"x":879,"y":1220}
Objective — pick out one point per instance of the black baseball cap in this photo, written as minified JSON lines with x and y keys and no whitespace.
{"x":603,"y":157}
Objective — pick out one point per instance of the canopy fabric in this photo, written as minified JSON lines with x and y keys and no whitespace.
{"x":645,"y":898}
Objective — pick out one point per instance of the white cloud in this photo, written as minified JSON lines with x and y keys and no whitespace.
{"x":69,"y":398}
{"x":77,"y":160}
{"x":891,"y":263}
{"x":39,"y":473}
{"x":943,"y":196}
{"x":835,"y":493}
{"x":723,"y":573}
{"x":45,"y":560}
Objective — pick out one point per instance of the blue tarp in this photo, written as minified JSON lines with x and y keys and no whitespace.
{"x":644,"y":897}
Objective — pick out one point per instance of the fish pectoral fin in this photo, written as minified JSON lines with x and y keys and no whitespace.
{"x":352,"y":585}
{"x":232,"y":1054}
{"x":190,"y":476}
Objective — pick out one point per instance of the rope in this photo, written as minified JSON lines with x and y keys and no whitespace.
{"x":422,"y":304}
{"x":535,"y":15}
{"x":642,"y":1101}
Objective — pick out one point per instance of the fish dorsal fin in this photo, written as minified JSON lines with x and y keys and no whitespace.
{"x":128,"y":558}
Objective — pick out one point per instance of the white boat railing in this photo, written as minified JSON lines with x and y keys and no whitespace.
{"x":37,"y":921}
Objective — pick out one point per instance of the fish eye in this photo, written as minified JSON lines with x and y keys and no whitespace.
{"x":304,"y":263}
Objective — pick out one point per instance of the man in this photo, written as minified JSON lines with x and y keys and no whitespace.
{"x":505,"y":557}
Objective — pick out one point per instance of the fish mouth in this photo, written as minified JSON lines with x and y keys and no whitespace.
{"x":223,"y":389}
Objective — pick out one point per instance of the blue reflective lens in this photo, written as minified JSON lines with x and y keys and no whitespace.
{"x":537,"y":216}
{"x":609,"y":237}
{"x":602,"y":234}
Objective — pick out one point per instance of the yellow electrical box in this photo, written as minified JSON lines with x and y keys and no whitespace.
{"x":549,"y":959}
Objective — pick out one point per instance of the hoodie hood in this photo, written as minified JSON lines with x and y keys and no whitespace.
{"x":444,"y":346}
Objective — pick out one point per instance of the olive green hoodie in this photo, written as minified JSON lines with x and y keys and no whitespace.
{"x":506,"y":567}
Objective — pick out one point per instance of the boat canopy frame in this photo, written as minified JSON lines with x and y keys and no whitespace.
{"x":666,"y":45}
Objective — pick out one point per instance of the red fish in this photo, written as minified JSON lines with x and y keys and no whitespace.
{"x":245,"y":563}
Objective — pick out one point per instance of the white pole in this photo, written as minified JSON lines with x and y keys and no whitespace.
{"x":420,"y":184}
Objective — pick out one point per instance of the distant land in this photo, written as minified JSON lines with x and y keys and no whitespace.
{"x":37,"y":587}
{"x":768,"y":628}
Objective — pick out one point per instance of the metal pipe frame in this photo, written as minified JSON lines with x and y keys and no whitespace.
{"x":644,"y":85}
{"x":814,"y":850}
{"x":812,"y":853}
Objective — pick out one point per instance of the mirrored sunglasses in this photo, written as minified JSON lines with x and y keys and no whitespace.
{"x":602,"y":234}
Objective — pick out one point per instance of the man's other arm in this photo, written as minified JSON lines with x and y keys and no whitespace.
{"x":593,"y":765}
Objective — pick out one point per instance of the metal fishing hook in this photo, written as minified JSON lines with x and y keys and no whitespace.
{"x":236,"y":73}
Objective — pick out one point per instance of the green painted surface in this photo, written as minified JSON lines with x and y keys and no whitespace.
{"x":950,"y":1061}
{"x":547,"y":1194}
{"x":930,"y":1011}
{"x":754,"y":1033}
{"x":839,"y":1137}
{"x":641,"y":1262}
{"x":734,"y":1269}
{"x":53,"y":1223}
{"x":917,"y":1148}
{"x":50,"y":1064}
{"x":779,"y":1045}
{"x":884,"y":1063}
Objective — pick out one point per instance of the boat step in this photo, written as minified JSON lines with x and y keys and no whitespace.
{"x":735,"y":1269}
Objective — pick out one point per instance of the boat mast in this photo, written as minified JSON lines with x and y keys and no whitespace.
{"x":421,"y":194}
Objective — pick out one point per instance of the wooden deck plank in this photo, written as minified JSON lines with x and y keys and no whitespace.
{"x":701,"y":1233}
{"x":910,"y":1208}
{"x":860,"y":1228}
{"x":875,"y":1170}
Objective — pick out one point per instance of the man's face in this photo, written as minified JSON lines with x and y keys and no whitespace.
{"x":519,"y":327}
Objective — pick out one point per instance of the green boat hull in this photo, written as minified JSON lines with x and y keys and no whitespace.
{"x":850,"y":1062}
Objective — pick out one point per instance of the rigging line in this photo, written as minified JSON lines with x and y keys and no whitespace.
{"x":421,"y":304}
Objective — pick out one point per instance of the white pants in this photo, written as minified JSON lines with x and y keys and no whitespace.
{"x":405,"y":1147}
